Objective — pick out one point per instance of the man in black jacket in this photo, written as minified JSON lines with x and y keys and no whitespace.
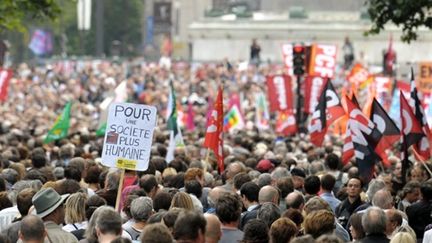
{"x":419,"y":213}
{"x":374,"y":224}
{"x":347,"y":206}
{"x":249,"y":194}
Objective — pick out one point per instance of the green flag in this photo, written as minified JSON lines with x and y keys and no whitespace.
{"x":176,"y":139}
{"x":172,"y":111}
{"x":101,"y":130}
{"x":61,"y":125}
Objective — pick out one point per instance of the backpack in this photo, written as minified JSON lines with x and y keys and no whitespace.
{"x":134,"y":234}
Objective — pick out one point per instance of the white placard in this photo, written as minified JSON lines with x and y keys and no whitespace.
{"x":128,"y":136}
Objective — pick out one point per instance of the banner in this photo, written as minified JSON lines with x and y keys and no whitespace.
{"x":287,"y":55}
{"x":323,"y":60}
{"x":5,"y":76}
{"x":425,"y":77}
{"x":129,"y":136}
{"x":279,"y":92}
{"x":383,"y":88}
{"x":313,"y":87}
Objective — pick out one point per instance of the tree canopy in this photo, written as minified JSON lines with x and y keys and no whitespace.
{"x":407,"y":14}
{"x":13,"y":13}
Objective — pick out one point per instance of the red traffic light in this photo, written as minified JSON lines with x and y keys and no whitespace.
{"x":298,"y":49}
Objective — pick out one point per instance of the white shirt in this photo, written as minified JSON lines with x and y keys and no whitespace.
{"x":427,"y":237}
{"x":75,"y":226}
{"x":252,"y":207}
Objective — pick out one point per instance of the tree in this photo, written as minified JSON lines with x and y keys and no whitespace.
{"x":408,"y":14}
{"x":13,"y":13}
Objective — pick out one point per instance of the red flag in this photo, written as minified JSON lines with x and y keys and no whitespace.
{"x":328,"y":110}
{"x":279,"y":92}
{"x":390,"y":132}
{"x":214,"y":134}
{"x":411,"y":128}
{"x":422,"y":148}
{"x":348,"y":146}
{"x":285,"y":123}
{"x":390,"y":57}
{"x":365,"y":137}
{"x":312,"y":89}
{"x":5,"y":76}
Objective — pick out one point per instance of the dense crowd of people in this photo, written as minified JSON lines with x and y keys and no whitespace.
{"x":273,"y":189}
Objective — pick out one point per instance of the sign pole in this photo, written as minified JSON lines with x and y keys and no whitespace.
{"x":119,"y":190}
{"x":206,"y":160}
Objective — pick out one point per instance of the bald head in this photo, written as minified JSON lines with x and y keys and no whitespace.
{"x":374,"y":221}
{"x":32,"y":229}
{"x":213,"y":228}
{"x":268,"y":194}
{"x":233,"y":169}
{"x":383,"y":199}
{"x":295,"y":200}
{"x":214,"y":194}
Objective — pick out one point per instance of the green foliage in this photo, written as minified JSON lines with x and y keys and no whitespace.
{"x":408,"y":14}
{"x":13,"y":13}
{"x":122,"y":22}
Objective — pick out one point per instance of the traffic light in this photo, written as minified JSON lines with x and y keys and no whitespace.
{"x":299,"y":59}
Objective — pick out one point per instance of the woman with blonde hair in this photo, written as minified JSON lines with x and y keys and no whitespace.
{"x":182,"y":200}
{"x":75,"y":214}
{"x":403,"y":237}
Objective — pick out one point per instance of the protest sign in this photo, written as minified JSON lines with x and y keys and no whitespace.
{"x":313,"y":88}
{"x":287,"y":54}
{"x":425,"y":77}
{"x":323,"y":60}
{"x":128,"y":136}
{"x":279,"y":92}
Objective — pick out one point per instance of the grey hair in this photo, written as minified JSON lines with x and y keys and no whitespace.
{"x":383,"y":199}
{"x":374,"y":220}
{"x":374,"y":186}
{"x":109,"y":221}
{"x":58,"y":173}
{"x":254,"y":174}
{"x":141,"y":208}
{"x":268,"y":212}
{"x":264,"y":180}
{"x":112,"y":180}
{"x":316,"y":167}
{"x":21,"y":185}
{"x":280,"y":172}
{"x":10,"y":175}
{"x":90,"y":232}
{"x":208,"y":179}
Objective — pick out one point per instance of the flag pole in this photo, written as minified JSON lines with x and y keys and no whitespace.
{"x":427,"y":168}
{"x":206,"y":160}
{"x":119,"y":190}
